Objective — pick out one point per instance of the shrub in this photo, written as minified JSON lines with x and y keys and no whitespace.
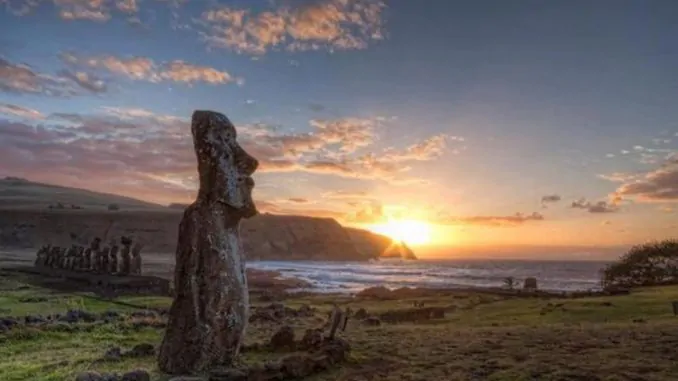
{"x":649,"y":264}
{"x":113,"y":207}
{"x":510,"y":282}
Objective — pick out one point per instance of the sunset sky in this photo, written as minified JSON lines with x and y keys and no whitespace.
{"x":493,"y":122}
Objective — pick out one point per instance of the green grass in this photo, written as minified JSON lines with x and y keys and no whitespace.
{"x":485,"y":338}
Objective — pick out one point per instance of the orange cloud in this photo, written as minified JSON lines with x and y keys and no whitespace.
{"x":21,"y":112}
{"x":327,"y":24}
{"x":659,"y":185}
{"x":142,"y":68}
{"x":19,"y":78}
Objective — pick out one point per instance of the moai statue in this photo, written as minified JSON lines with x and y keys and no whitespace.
{"x":71,"y":257}
{"x":62,"y":258}
{"x":113,"y":259}
{"x":136,"y":259}
{"x":51,"y":256}
{"x":94,"y":255}
{"x":87,"y":260}
{"x":125,"y":258}
{"x":103,"y":260}
{"x":41,"y":256}
{"x":81,"y":258}
{"x":209,"y":314}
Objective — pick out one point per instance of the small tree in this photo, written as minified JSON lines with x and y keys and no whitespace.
{"x":648,"y":264}
{"x":510,"y":282}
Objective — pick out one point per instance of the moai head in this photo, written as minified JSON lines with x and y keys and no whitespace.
{"x":96,"y":243}
{"x":224,"y":167}
{"x":126,"y":241}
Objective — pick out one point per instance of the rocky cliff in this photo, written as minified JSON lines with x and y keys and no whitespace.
{"x":33,"y":214}
{"x":265,"y":236}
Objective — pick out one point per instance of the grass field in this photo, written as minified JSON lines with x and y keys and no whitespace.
{"x":632,"y":337}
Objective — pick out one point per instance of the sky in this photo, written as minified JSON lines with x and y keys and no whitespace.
{"x":492,"y":123}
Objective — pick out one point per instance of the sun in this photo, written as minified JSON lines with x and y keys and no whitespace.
{"x":412,"y":232}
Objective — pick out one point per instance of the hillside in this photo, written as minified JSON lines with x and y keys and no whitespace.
{"x":18,"y":193}
{"x":28,"y":221}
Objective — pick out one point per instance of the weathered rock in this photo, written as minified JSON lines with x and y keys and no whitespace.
{"x":373,"y":321}
{"x":208,"y":316}
{"x":141,"y":350}
{"x":361,"y":314}
{"x":283,"y":338}
{"x":113,"y":354}
{"x":113,"y":260}
{"x":230,"y":374}
{"x":102,"y":266}
{"x":135,"y":263}
{"x":312,"y":339}
{"x":87,"y":260}
{"x":125,"y":258}
{"x":136,"y":375}
{"x":89,"y":376}
{"x":530,"y":284}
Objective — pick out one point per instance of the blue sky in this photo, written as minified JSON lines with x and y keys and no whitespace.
{"x":458,"y":113}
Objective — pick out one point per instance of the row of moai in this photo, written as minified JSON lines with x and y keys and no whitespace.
{"x":103,"y":260}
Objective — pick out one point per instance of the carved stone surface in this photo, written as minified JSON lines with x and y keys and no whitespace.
{"x":125,"y":258}
{"x":208,"y":317}
{"x":135,"y":262}
{"x":87,"y":260}
{"x":113,"y":260}
{"x":103,"y":260}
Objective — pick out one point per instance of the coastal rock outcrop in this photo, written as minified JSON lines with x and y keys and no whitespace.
{"x":209,"y":314}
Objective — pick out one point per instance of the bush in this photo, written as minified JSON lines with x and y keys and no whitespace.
{"x":648,"y":264}
{"x":113,"y":207}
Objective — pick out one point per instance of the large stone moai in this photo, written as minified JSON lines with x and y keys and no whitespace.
{"x":209,"y":314}
{"x":62,"y":258}
{"x":113,"y":259}
{"x":81,"y":258}
{"x":52,"y":256}
{"x":102,"y":264}
{"x":135,"y":263}
{"x":125,"y":258}
{"x":41,"y":256}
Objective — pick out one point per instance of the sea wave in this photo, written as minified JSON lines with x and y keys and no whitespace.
{"x":354,"y":276}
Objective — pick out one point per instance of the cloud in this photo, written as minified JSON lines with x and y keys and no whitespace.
{"x":550,"y":199}
{"x":20,"y":111}
{"x":660,"y":184}
{"x":143,"y":68}
{"x":91,"y":10}
{"x":327,"y":24}
{"x":23,"y":79}
{"x":298,"y":200}
{"x":597,"y":207}
{"x":619,"y":177}
{"x":493,"y":221}
{"x":134,"y":150}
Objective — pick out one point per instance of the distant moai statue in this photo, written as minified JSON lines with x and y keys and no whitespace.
{"x":94,"y":254}
{"x":62,"y":257}
{"x":72,"y":257}
{"x":136,"y":258}
{"x":51,"y":256}
{"x":113,"y":259}
{"x":81,"y":257}
{"x":125,"y":258}
{"x":103,"y":260}
{"x":530,"y":284}
{"x":336,"y":319}
{"x":87,"y":259}
{"x":41,"y":256}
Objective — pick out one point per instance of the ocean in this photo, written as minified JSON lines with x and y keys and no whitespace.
{"x":354,"y":276}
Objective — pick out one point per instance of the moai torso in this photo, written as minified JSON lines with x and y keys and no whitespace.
{"x":113,"y":260}
{"x":103,"y":260}
{"x":136,"y":259}
{"x":125,"y":258}
{"x":87,"y":259}
{"x":62,"y":258}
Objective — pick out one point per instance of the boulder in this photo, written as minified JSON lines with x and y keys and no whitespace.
{"x":283,"y":338}
{"x":530,"y":283}
{"x":136,"y":375}
{"x":208,"y":317}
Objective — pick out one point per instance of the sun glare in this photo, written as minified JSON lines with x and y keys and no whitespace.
{"x":411,"y":232}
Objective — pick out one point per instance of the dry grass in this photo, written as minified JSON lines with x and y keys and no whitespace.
{"x":486,"y":338}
